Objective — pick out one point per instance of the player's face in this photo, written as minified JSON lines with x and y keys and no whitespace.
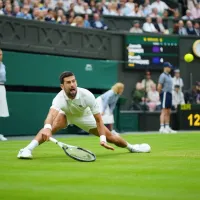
{"x":70,"y":86}
{"x":120,"y":90}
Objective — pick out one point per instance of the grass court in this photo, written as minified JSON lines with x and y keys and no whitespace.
{"x":170,"y":172}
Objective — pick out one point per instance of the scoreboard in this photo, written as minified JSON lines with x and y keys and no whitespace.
{"x":149,"y":52}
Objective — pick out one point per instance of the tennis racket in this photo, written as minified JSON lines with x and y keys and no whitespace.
{"x":74,"y":152}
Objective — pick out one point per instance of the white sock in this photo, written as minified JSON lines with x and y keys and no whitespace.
{"x":166,"y":125}
{"x":33,"y":144}
{"x":162,"y":126}
{"x":129,"y":146}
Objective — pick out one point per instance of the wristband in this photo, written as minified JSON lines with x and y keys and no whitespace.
{"x":103,"y":138}
{"x":48,"y":126}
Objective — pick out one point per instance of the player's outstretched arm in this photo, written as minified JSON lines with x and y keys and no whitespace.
{"x":101,"y":131}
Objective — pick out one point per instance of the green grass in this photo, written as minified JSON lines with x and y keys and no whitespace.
{"x":171,"y":171}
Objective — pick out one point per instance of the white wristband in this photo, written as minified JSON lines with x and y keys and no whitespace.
{"x":48,"y":126}
{"x":103,"y":138}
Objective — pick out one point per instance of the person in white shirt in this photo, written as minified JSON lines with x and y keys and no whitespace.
{"x":78,"y":8}
{"x":177,"y":97}
{"x":188,"y":15}
{"x":78,"y":106}
{"x":87,"y":10}
{"x":177,"y":80}
{"x":160,"y":5}
{"x":130,"y":4}
{"x":148,"y":26}
{"x":136,"y":12}
{"x":136,"y":27}
{"x":147,"y":81}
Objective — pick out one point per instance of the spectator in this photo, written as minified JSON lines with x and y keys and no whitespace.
{"x":160,"y":26}
{"x":136,"y":27}
{"x":1,"y":8}
{"x":193,"y":96}
{"x":78,"y":22}
{"x":189,"y":28}
{"x":36,"y":4}
{"x":177,"y":80}
{"x":148,"y":26}
{"x":50,"y":17}
{"x":16,"y":10}
{"x":138,"y":96}
{"x":97,"y":23}
{"x":154,"y":13}
{"x":196,"y":11}
{"x":165,"y":14}
{"x":78,"y":8}
{"x":160,"y":5}
{"x":99,"y":8}
{"x":176,"y":15}
{"x":188,"y":15}
{"x":35,"y":14}
{"x":93,"y":6}
{"x":154,"y":98}
{"x":191,"y":4}
{"x":197,"y":28}
{"x":46,"y":5}
{"x":71,"y":9}
{"x":146,"y":8}
{"x":63,"y":20}
{"x":87,"y":10}
{"x":59,"y":6}
{"x":86,"y":22}
{"x":136,"y":12}
{"x":124,"y":9}
{"x":177,"y":97}
{"x":41,"y":14}
{"x":3,"y":105}
{"x":130,"y":4}
{"x":147,"y":81}
{"x":181,"y":28}
{"x":60,"y":13}
{"x":175,"y":28}
{"x":8,"y":10}
{"x":24,"y":13}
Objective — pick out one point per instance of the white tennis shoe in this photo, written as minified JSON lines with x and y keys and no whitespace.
{"x":24,"y":154}
{"x":2,"y":138}
{"x":140,"y":148}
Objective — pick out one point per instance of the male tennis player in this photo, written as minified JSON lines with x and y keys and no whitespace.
{"x":165,"y":84}
{"x":74,"y":105}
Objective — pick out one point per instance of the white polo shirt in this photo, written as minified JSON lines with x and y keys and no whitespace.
{"x":84,"y":104}
{"x":161,"y":6}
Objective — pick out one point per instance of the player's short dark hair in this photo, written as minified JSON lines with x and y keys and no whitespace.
{"x":64,"y":75}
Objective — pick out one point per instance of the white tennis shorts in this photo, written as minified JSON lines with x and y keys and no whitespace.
{"x":3,"y":102}
{"x":108,"y":117}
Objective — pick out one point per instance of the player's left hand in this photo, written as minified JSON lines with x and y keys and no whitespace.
{"x":107,"y":146}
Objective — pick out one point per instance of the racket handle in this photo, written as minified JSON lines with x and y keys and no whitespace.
{"x":53,"y":140}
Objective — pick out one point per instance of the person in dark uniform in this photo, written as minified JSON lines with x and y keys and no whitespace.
{"x":165,"y":84}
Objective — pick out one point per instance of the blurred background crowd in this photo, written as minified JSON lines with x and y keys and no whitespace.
{"x":89,"y":13}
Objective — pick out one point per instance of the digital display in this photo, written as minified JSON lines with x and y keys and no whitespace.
{"x":151,"y":51}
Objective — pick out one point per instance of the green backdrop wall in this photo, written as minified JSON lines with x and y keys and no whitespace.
{"x":44,"y":70}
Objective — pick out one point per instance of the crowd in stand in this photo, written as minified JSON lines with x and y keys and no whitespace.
{"x":75,"y":13}
{"x":146,"y":97}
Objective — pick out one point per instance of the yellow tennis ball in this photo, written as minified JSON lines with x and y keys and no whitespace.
{"x":188,"y":57}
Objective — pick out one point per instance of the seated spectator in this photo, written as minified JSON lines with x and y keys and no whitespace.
{"x":50,"y":17}
{"x":130,"y":4}
{"x":71,"y":8}
{"x":176,"y":14}
{"x":189,"y":28}
{"x":154,"y":98}
{"x":60,"y":13}
{"x":136,"y":12}
{"x":87,"y":10}
{"x":99,"y":8}
{"x":177,"y":97}
{"x":46,"y":5}
{"x":148,"y":26}
{"x":177,"y":80}
{"x":78,"y":22}
{"x":63,"y":20}
{"x":1,"y":8}
{"x":78,"y":8}
{"x":8,"y":10}
{"x":97,"y":23}
{"x":188,"y":15}
{"x":41,"y":15}
{"x":24,"y":13}
{"x":193,"y":96}
{"x":35,"y":14}
{"x":124,"y":9}
{"x":165,"y":14}
{"x":86,"y":22}
{"x":136,"y":27}
{"x":175,"y":28}
{"x":93,"y":6}
{"x":197,"y":28}
{"x":111,"y":9}
{"x":146,"y":8}
{"x":161,"y":6}
{"x":160,"y":26}
{"x":196,"y":11}
{"x":181,"y":29}
{"x":147,"y":81}
{"x":154,"y":13}
{"x":138,"y":96}
{"x":191,"y":4}
{"x":16,"y":10}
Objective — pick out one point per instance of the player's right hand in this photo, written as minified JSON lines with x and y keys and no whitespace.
{"x":46,"y":133}
{"x":105,"y":145}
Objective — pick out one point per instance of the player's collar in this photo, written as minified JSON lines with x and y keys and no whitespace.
{"x":77,"y":95}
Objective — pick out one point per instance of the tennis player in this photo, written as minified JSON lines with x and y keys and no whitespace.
{"x":75,"y":105}
{"x":107,"y":103}
{"x":165,"y":84}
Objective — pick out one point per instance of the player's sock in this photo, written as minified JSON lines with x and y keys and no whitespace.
{"x":129,"y":146}
{"x":33,"y":144}
{"x":162,"y":126}
{"x":167,"y":126}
